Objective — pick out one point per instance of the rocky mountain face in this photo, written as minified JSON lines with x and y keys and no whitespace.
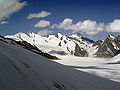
{"x":57,"y":44}
{"x":80,"y":51}
{"x":109,"y":47}
{"x":27,"y":46}
{"x":97,"y":43}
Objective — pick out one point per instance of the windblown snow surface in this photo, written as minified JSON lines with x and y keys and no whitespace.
{"x":21,"y":69}
{"x":108,"y":68}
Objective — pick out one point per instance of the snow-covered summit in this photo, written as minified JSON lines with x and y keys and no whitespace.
{"x":111,"y":36}
{"x":77,"y":35}
{"x":74,"y":44}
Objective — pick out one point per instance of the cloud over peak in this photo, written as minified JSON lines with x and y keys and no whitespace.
{"x":38,"y":15}
{"x":42,"y":23}
{"x":87,"y":26}
{"x":113,"y":26}
{"x":45,"y":32}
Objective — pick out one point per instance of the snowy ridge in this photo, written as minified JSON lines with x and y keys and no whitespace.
{"x":27,"y":46}
{"x":75,"y":44}
{"x":56,"y":43}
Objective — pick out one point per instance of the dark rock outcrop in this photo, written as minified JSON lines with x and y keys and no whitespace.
{"x":57,"y":35}
{"x":109,"y":47}
{"x":87,"y":39}
{"x":72,"y":38}
{"x":97,"y":43}
{"x":80,"y":51}
{"x":59,"y":44}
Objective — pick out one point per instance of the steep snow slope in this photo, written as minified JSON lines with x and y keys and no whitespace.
{"x":21,"y":69}
{"x":74,"y":44}
{"x":27,"y":46}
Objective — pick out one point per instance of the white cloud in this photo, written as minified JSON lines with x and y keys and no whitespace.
{"x":66,"y":22}
{"x":39,"y":15}
{"x":8,"y":7}
{"x":42,"y":23}
{"x":113,"y":26}
{"x":3,"y":22}
{"x":45,"y":32}
{"x":88,"y":27}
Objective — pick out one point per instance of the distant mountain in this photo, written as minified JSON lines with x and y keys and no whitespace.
{"x":109,"y":47}
{"x":75,"y":44}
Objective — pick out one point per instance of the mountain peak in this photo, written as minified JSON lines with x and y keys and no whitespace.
{"x":111,"y":36}
{"x":58,"y":35}
{"x":30,"y":33}
{"x":19,"y":33}
{"x":77,"y":35}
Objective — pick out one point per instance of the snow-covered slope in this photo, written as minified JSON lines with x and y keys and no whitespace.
{"x":27,"y":46}
{"x":108,"y":68}
{"x":58,"y":43}
{"x":116,"y":59}
{"x":21,"y":69}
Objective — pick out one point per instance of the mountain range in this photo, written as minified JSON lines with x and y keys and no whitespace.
{"x":75,"y":44}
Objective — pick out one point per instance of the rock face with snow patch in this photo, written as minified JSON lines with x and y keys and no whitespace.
{"x":109,"y":47}
{"x":97,"y":43}
{"x":80,"y":51}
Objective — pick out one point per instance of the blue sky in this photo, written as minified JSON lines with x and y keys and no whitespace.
{"x":78,"y":10}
